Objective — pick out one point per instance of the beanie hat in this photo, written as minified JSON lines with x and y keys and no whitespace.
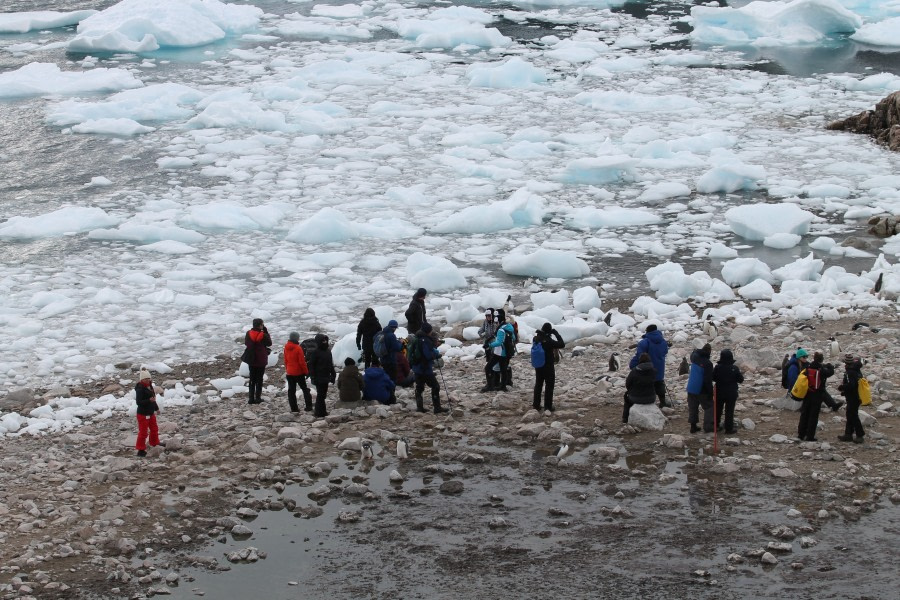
{"x":650,"y":327}
{"x":421,"y":293}
{"x":801,"y":353}
{"x":294,"y":337}
{"x":547,"y":328}
{"x":257,"y":322}
{"x":849,"y":359}
{"x":392,"y":324}
{"x":145,"y":374}
{"x":706,"y":349}
{"x":427,"y":328}
{"x":349,"y":361}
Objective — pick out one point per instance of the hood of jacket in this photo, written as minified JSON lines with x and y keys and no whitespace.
{"x":699,"y":357}
{"x":256,"y":335}
{"x":645,"y":367}
{"x":726,"y":357}
{"x":654,"y":337}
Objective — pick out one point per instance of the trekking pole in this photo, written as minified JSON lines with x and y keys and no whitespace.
{"x":715,"y":423}
{"x":444,"y":383}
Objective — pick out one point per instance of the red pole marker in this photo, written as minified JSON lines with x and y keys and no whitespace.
{"x":715,"y":423}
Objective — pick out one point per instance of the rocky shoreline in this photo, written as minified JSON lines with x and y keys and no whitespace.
{"x":84,"y":518}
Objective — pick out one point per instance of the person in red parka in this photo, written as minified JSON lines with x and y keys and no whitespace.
{"x":295,"y":370}
{"x":256,"y":355}
{"x":145,"y":397}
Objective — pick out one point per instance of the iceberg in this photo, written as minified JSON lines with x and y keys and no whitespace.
{"x":66,"y":220}
{"x":40,"y":79}
{"x":760,"y":221}
{"x":148,"y":25}
{"x":885,"y":33}
{"x":545,"y":263}
{"x":522,"y":209}
{"x":23,"y":22}
{"x":514,"y":73}
{"x":434,"y":273}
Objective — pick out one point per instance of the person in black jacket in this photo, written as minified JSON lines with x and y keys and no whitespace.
{"x":849,"y":388}
{"x":365,"y":333}
{"x":256,"y":354}
{"x":640,"y":385}
{"x":415,"y":314}
{"x":545,"y":377}
{"x":817,"y":373}
{"x":145,"y":397}
{"x":726,"y":377}
{"x":321,"y":372}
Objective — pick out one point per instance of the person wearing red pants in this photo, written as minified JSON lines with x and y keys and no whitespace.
{"x":145,"y":396}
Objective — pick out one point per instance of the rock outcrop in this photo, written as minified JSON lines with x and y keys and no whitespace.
{"x":883,"y":123}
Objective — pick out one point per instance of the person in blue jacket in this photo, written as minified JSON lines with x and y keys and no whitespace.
{"x":378,"y":385}
{"x":700,"y":389}
{"x":654,"y":344}
{"x":424,"y":370}
{"x":392,"y":347}
{"x":796,"y":364}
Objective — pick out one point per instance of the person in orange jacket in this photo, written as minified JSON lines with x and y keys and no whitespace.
{"x":295,"y":370}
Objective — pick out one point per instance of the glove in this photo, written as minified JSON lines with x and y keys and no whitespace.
{"x":439,"y":362}
{"x":359,"y":346}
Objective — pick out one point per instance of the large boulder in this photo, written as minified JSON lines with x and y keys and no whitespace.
{"x":786,"y":403}
{"x":647,"y":417}
{"x":883,"y":123}
{"x":19,"y":401}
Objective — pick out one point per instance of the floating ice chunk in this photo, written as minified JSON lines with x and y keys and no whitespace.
{"x":772,"y":23}
{"x":782,"y":241}
{"x":663,"y":191}
{"x":462,"y":13}
{"x":296,"y":25}
{"x":514,"y":73}
{"x":822,"y":243}
{"x":759,"y":221}
{"x":229,"y":215}
{"x":630,"y":102}
{"x":23,"y":22}
{"x":720,"y":250}
{"x":879,"y":34}
{"x":240,"y":112}
{"x":542,"y":299}
{"x":461,"y":311}
{"x":585,"y":298}
{"x":741,"y":271}
{"x":599,"y":171}
{"x":168,"y":247}
{"x":433,"y":273}
{"x":589,"y":217}
{"x":326,"y":226}
{"x":38,"y":79}
{"x":803,"y":269}
{"x":730,"y":175}
{"x":99,"y":181}
{"x":342,"y":11}
{"x":66,"y":220}
{"x":450,"y":33}
{"x":545,"y":263}
{"x":147,"y":25}
{"x":757,"y":290}
{"x":158,"y":102}
{"x":887,"y":82}
{"x":522,"y":209}
{"x":138,"y":231}
{"x":116,"y":127}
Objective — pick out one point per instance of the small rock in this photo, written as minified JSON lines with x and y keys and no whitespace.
{"x":748,"y":424}
{"x":452,"y":487}
{"x":782,"y":472}
{"x":808,"y":542}
{"x":395,"y":476}
{"x":768,"y":559}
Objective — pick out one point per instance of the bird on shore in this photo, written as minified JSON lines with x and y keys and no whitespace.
{"x":805,"y":326}
{"x":608,"y":318}
{"x":563,"y":451}
{"x":403,"y":448}
{"x":684,"y":368}
{"x":879,"y":282}
{"x":858,"y":326}
{"x":834,"y":348}
{"x":613,"y":362}
{"x":367,"y":453}
{"x":709,"y":328}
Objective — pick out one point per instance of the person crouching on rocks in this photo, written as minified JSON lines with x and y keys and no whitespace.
{"x":147,"y":408}
{"x":700,"y":389}
{"x":321,"y":372}
{"x":403,"y":375}
{"x":350,"y":382}
{"x":378,"y":385}
{"x":849,"y":388}
{"x":296,"y":370}
{"x":256,"y":355}
{"x":426,"y":354}
{"x":640,"y":385}
{"x":726,"y":377}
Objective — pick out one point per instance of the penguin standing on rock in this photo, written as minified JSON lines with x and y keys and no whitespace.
{"x":563,"y":451}
{"x":367,"y":453}
{"x":684,"y":368}
{"x":834,"y":348}
{"x":709,"y":328}
{"x":879,"y":282}
{"x":608,"y":318}
{"x":613,"y":361}
{"x":403,"y":448}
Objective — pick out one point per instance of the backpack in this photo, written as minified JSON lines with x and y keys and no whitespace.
{"x":378,"y":345}
{"x":814,"y":376}
{"x":413,"y":350}
{"x":308,"y":346}
{"x":509,"y":343}
{"x":865,"y":392}
{"x":785,"y":365}
{"x":538,"y":356}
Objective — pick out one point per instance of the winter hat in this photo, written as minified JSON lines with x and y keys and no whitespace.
{"x":294,"y":336}
{"x":801,"y":353}
{"x":650,"y":327}
{"x":427,"y":328}
{"x":706,"y":349}
{"x":145,"y":374}
{"x":349,"y":361}
{"x":392,"y":324}
{"x":421,"y":293}
{"x":489,"y":313}
{"x":257,"y":323}
{"x":547,"y":328}
{"x":321,"y":338}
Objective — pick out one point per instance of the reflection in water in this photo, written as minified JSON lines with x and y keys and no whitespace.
{"x":711,"y":495}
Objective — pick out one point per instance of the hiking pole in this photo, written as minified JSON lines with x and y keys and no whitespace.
{"x":444,"y":383}
{"x":715,"y":423}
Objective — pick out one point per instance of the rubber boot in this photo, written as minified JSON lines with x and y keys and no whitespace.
{"x":307,"y":397}
{"x":499,"y":381}
{"x":438,"y":409}
{"x":420,"y":403}
{"x":489,"y":386}
{"x":694,"y":428}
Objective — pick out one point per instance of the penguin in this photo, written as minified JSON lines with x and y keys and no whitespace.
{"x":608,"y":319}
{"x":613,"y":362}
{"x":509,"y":306}
{"x":367,"y":453}
{"x":603,"y":383}
{"x":563,"y":451}
{"x":879,"y":282}
{"x":709,"y":328}
{"x":785,"y":361}
{"x":859,"y":326}
{"x":403,"y":448}
{"x":684,"y":368}
{"x":834,"y":348}
{"x":805,"y":326}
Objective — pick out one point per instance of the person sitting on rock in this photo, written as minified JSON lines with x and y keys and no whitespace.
{"x":350,"y":382}
{"x":700,"y":389}
{"x":404,"y":376}
{"x":147,"y":409}
{"x":726,"y":377}
{"x":321,"y":372}
{"x":378,"y":385}
{"x":849,"y":388}
{"x":640,"y":385}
